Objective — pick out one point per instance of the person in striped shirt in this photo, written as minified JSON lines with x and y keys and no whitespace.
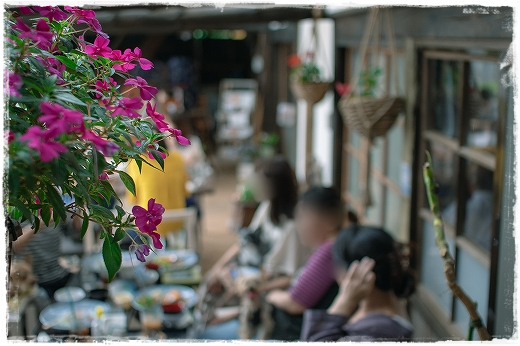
{"x":319,"y":217}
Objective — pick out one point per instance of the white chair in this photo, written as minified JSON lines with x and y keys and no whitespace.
{"x":189,"y":216}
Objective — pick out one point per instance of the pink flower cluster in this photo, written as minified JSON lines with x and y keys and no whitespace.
{"x":58,"y":120}
{"x":41,"y":34}
{"x":124,"y":61}
{"x":147,"y":221}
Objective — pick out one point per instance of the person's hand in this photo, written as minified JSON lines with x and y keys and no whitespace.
{"x":359,"y":280}
{"x":355,"y":286}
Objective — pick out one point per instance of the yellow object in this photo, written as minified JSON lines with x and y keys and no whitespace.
{"x":168,"y":187}
{"x":99,"y":312}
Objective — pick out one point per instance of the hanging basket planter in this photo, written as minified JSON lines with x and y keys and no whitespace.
{"x":371,"y":117}
{"x":312,"y":92}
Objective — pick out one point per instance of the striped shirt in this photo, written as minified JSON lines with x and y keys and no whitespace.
{"x":316,"y":278}
{"x":44,"y":249}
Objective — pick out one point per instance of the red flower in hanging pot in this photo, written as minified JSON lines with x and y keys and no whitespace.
{"x":294,"y":61}
{"x":342,"y":88}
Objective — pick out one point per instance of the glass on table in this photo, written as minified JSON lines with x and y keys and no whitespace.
{"x":152,"y":320}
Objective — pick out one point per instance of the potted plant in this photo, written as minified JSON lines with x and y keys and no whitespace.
{"x":69,"y":127}
{"x":305,"y":78}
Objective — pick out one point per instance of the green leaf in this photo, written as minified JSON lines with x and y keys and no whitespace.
{"x":55,"y":217}
{"x":67,"y":62}
{"x":66,"y":97}
{"x":46,"y":215}
{"x":36,"y":224}
{"x":158,"y":158}
{"x":84,"y":225}
{"x":102,"y":211}
{"x":36,"y":65}
{"x":22,"y":208}
{"x":120,"y":211}
{"x":120,"y":234}
{"x":128,"y":181}
{"x":111,"y":256}
{"x":139,"y":165}
{"x":56,"y":201}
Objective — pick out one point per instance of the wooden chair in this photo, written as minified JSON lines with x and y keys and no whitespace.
{"x":189,"y":216}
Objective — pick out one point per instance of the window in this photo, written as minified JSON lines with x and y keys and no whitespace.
{"x":386,"y":152}
{"x":462,"y":111}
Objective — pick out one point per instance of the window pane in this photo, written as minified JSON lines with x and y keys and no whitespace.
{"x":445,"y":175}
{"x":393,"y":212}
{"x":355,"y":139}
{"x":432,"y":267}
{"x":474,"y":279}
{"x":484,"y":88}
{"x":353,"y":176}
{"x":443,"y":94}
{"x":374,"y":212}
{"x":479,"y":205}
{"x":400,"y":61}
{"x":379,"y":62}
{"x":395,"y":138}
{"x":376,"y":158}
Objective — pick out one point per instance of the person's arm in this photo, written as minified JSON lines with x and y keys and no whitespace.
{"x":283,"y":301}
{"x":280,"y":283}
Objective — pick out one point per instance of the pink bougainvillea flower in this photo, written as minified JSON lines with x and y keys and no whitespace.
{"x":10,"y":136}
{"x":60,"y":118}
{"x":99,"y":48}
{"x":43,"y":141}
{"x":51,"y":12}
{"x":103,"y":176}
{"x":123,"y":60}
{"x":108,"y":148}
{"x":104,"y":86}
{"x":146,"y":91}
{"x":14,"y":84}
{"x":144,"y":63}
{"x":157,"y":117}
{"x":42,"y":35}
{"x":88,"y":17}
{"x":127,"y":107}
{"x":142,"y":251}
{"x":179,"y":137}
{"x":25,"y":10}
{"x":54,"y":66}
{"x":147,"y":220}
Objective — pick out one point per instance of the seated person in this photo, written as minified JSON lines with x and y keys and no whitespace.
{"x":44,"y":249}
{"x":281,"y":254}
{"x":319,"y":217}
{"x":372,"y":281}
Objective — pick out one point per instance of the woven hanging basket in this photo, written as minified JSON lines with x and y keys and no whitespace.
{"x":312,"y":92}
{"x":371,"y":117}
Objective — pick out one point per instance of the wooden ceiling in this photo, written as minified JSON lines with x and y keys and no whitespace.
{"x":161,"y":19}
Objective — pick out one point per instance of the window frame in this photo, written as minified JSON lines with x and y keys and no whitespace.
{"x":463,"y":154}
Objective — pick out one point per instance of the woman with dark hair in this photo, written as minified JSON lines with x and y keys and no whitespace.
{"x":270,"y":243}
{"x":372,"y":282}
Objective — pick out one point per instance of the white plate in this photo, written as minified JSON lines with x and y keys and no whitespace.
{"x":187,"y":293}
{"x":185,"y":259}
{"x":58,"y":316}
{"x":69,"y":294}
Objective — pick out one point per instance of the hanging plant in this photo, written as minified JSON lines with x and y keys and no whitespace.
{"x":303,"y":70}
{"x":70,"y":127}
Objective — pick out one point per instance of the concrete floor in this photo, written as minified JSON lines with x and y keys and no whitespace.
{"x":217,"y":209}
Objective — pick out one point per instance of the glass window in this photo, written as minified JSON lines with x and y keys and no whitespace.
{"x":393,"y":211}
{"x":432,"y":270}
{"x":400,"y":63}
{"x":355,"y":139}
{"x":374,"y":211}
{"x":474,"y":278}
{"x":479,"y":205}
{"x":484,"y":88}
{"x":376,"y":157}
{"x":395,"y":149}
{"x":353,"y":177}
{"x":444,"y":96}
{"x":444,"y":163}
